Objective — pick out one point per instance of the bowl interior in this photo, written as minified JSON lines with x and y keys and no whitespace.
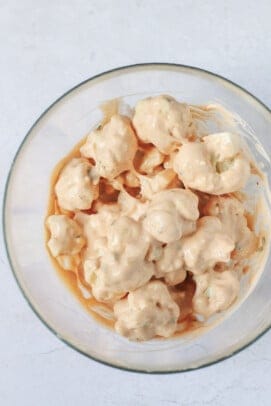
{"x":50,"y":139}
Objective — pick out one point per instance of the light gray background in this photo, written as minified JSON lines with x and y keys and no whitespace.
{"x":46,"y":48}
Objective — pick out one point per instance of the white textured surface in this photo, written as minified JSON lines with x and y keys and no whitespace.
{"x":46,"y":48}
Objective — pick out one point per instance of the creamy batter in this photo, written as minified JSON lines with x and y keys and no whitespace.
{"x":148,"y":208}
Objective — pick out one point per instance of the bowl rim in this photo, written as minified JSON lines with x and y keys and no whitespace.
{"x":104,"y":74}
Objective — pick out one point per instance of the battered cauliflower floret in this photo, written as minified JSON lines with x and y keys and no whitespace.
{"x":215,"y":292}
{"x":113,"y":147}
{"x":75,"y":188}
{"x":175,"y":277}
{"x":130,"y":206}
{"x":147,"y":312}
{"x":170,"y":265}
{"x":122,"y":266}
{"x":131,"y":179}
{"x":69,"y":262}
{"x":126,"y":237}
{"x":207,"y":246}
{"x":162,"y":121}
{"x":115,"y":276}
{"x":217,"y":165}
{"x":156,"y":183}
{"x":231,"y":213}
{"x":171,"y":214}
{"x":95,"y":228}
{"x":151,"y":160}
{"x":66,"y":235}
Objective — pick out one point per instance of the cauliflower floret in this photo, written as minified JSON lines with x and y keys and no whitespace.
{"x":115,"y":276}
{"x":99,"y":222}
{"x":162,"y":121}
{"x":151,"y":160}
{"x":113,"y":147}
{"x":147,"y":312}
{"x":217,"y":165}
{"x":231,"y":213}
{"x":156,"y":183}
{"x":155,"y":251}
{"x":222,"y":145}
{"x":207,"y":246}
{"x":75,"y":189}
{"x":122,"y":266}
{"x":215,"y":292}
{"x":66,"y":235}
{"x":171,"y":214}
{"x":175,"y":277}
{"x":130,"y":179}
{"x":130,"y":206}
{"x":95,"y":228}
{"x":127,"y":238}
{"x":69,"y":262}
{"x":170,"y":265}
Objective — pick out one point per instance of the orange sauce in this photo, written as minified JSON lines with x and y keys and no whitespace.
{"x":246,"y":269}
{"x":183,"y":296}
{"x":250,"y":217}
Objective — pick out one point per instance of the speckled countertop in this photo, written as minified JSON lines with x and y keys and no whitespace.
{"x":46,"y":47}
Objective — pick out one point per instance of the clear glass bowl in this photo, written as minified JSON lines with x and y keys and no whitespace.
{"x":53,"y":135}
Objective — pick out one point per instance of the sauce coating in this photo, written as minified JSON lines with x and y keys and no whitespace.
{"x":143,"y":223}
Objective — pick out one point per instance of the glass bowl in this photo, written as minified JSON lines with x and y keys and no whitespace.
{"x":52,"y":136}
